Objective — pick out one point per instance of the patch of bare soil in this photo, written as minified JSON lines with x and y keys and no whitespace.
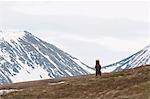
{"x":128,"y":84}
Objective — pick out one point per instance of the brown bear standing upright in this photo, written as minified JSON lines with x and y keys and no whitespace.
{"x":98,"y":68}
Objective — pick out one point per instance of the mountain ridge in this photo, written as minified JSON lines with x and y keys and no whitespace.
{"x":24,"y":57}
{"x":141,"y":57}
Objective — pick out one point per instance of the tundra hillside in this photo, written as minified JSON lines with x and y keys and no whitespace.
{"x":127,"y":84}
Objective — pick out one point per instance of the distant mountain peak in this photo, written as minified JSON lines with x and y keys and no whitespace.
{"x":147,"y":47}
{"x":140,"y":58}
{"x":9,"y":35}
{"x":25,"y":57}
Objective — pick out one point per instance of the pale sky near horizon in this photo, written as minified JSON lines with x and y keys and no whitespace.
{"x":88,"y":30}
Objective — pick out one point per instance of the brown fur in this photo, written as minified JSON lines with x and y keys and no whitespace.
{"x":98,"y":68}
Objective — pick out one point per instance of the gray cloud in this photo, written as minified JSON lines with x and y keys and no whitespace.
{"x":85,"y":26}
{"x":89,"y":26}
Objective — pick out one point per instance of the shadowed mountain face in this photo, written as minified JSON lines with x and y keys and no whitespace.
{"x":140,"y":58}
{"x":24,"y":57}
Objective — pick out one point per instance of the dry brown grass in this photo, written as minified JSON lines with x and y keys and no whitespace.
{"x":128,"y":84}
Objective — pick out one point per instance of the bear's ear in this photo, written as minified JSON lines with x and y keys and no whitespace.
{"x":97,"y":61}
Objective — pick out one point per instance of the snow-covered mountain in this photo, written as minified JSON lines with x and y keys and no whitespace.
{"x":24,"y":57}
{"x":140,"y":58}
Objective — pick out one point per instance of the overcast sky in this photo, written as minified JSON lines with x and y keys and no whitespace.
{"x":105,"y":30}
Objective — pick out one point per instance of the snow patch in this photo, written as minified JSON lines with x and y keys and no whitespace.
{"x":8,"y":35}
{"x":108,"y":69}
{"x":29,"y":74}
{"x":83,"y":66}
{"x":69,"y":73}
{"x":61,"y":82}
{"x":3,"y":92}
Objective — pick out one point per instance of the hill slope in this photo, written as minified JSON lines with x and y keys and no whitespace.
{"x":24,"y":57}
{"x":128,"y":84}
{"x":142,"y":57}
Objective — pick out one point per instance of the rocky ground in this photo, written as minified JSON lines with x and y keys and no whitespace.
{"x":128,"y":84}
